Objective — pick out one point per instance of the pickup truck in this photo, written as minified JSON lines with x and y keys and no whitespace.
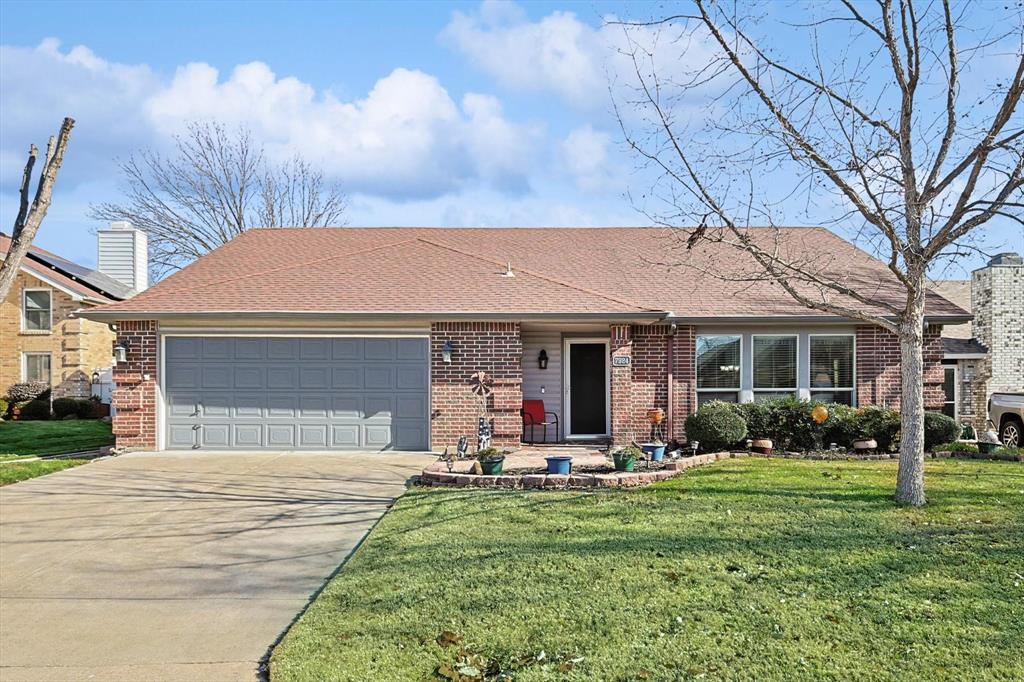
{"x":1006,"y":412}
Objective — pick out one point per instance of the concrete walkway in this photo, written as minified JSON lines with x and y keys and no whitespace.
{"x":177,"y":566}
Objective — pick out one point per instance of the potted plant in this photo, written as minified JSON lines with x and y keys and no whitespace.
{"x":491,"y":461}
{"x":655,"y":450}
{"x":762,"y":446}
{"x":625,"y":459}
{"x":865,"y":445}
{"x":559,"y":464}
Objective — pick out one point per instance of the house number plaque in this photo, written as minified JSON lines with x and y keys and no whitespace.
{"x":621,"y":360}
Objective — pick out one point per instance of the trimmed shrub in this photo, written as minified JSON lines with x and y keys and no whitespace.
{"x":62,"y":407}
{"x":28,"y":390}
{"x":786,"y":421}
{"x":881,"y":424}
{"x":938,"y":428}
{"x":4,"y":407}
{"x":841,"y":427}
{"x":88,"y":408}
{"x":716,"y":426}
{"x":956,"y":446}
{"x":35,"y":410}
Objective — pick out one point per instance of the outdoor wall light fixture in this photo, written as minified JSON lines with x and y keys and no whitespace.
{"x":121,"y":352}
{"x":542,"y":359}
{"x":446,"y":351}
{"x":95,"y":377}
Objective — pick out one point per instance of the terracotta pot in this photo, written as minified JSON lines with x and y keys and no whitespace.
{"x":762,"y":446}
{"x":867,"y":444}
{"x":656,"y":416}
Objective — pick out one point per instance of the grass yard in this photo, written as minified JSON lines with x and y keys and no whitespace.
{"x":745,"y":569}
{"x":53,"y":437}
{"x":13,"y":472}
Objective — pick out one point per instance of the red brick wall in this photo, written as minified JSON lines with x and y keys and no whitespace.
{"x":622,"y":385}
{"x":136,"y":380}
{"x":650,"y":377}
{"x":878,"y":367}
{"x":492,"y":347}
{"x":684,"y":393}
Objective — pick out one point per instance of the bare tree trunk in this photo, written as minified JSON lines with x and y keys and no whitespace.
{"x":910,"y":479}
{"x":30,"y":217}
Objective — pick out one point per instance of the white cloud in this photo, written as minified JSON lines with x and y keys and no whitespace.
{"x":405,"y":138}
{"x":568,"y":57}
{"x":585,"y":156}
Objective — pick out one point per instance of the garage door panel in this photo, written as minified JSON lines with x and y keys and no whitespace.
{"x":247,"y":435}
{"x":279,"y":378}
{"x":181,"y":436}
{"x":183,"y":377}
{"x":216,"y":404}
{"x":250,"y":349}
{"x":313,"y":435}
{"x":286,"y":393}
{"x":315,"y":349}
{"x":378,"y":349}
{"x":248,"y":377}
{"x":345,"y":435}
{"x":313,"y":406}
{"x":281,"y":435}
{"x":216,"y":376}
{"x":314,"y":377}
{"x":411,"y":378}
{"x":379,"y":378}
{"x":377,"y":437}
{"x":183,"y":405}
{"x":215,"y":435}
{"x":248,"y":406}
{"x":283,"y":349}
{"x":218,"y":349}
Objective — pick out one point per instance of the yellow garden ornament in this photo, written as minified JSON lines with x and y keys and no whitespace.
{"x":819,"y":414}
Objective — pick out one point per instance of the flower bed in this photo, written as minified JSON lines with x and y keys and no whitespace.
{"x":438,"y":474}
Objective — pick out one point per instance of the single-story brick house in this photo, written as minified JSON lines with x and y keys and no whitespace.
{"x":369,"y":338}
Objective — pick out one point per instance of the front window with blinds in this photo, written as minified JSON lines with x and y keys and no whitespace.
{"x":718,"y":368}
{"x":37,"y":311}
{"x":37,"y":367}
{"x":832,"y":368}
{"x":774,"y":361}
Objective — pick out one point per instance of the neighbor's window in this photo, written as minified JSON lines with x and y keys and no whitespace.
{"x":949,"y":391}
{"x":774,"y":366}
{"x":37,"y":310}
{"x":718,"y":368}
{"x":832,"y":368}
{"x":37,"y":367}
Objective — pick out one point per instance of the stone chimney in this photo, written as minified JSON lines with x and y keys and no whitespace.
{"x":122,"y":253}
{"x":997,"y":302}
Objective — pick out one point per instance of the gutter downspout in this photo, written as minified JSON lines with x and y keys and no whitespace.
{"x":669,"y":357}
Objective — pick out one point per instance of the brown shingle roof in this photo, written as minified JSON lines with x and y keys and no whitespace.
{"x":459,"y":271}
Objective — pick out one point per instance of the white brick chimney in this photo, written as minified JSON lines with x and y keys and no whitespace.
{"x":122,"y":253}
{"x":997,"y":301}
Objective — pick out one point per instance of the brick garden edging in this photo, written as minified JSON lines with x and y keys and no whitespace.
{"x":437,"y":475}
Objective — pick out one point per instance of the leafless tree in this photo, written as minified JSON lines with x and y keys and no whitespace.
{"x":873,"y":127}
{"x":30,"y":216}
{"x":216,"y":186}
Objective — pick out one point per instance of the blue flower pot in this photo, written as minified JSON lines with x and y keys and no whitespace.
{"x":559,"y":465}
{"x":655,"y":452}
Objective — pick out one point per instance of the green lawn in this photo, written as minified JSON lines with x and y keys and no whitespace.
{"x":20,"y":471}
{"x":53,"y":437}
{"x":747,"y":569}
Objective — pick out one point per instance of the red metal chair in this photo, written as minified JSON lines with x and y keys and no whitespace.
{"x":534,"y":415}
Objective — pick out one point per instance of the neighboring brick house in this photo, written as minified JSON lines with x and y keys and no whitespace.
{"x":375,"y":338}
{"x":41,"y":335}
{"x":986,"y":355}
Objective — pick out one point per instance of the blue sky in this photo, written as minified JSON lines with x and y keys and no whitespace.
{"x":490,"y":131}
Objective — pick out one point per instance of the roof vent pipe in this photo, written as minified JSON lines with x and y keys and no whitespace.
{"x":508,"y":270}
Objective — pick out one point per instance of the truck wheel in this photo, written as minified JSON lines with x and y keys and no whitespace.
{"x":1012,"y":434}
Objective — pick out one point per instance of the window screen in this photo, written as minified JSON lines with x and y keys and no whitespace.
{"x":37,"y":367}
{"x":774,"y":362}
{"x":37,"y":310}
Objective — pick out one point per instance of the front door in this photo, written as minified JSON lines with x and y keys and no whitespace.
{"x":587,"y":387}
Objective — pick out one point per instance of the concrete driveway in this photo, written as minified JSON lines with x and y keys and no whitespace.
{"x":177,"y":566}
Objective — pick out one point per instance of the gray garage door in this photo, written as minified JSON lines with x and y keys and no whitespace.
{"x":250,"y":393}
